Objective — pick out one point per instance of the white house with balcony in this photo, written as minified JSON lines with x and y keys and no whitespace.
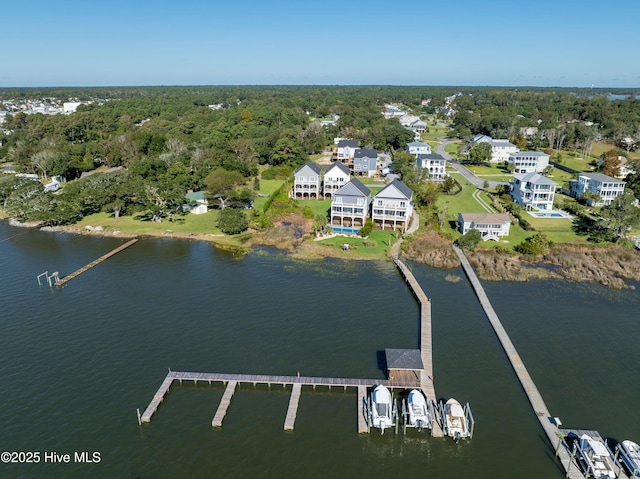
{"x":306,"y":181}
{"x":533,"y":191}
{"x":529,"y":161}
{"x":335,"y":178}
{"x":418,"y":148}
{"x":604,"y":188}
{"x":350,"y":207}
{"x":501,"y":150}
{"x":393,"y":206}
{"x":492,"y":226}
{"x":344,"y":151}
{"x":435,"y":164}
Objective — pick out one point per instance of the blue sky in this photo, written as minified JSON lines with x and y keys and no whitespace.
{"x":196,"y":42}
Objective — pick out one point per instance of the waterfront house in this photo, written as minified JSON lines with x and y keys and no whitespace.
{"x":393,"y":206}
{"x":335,"y":178}
{"x":604,"y":188}
{"x":196,"y":202}
{"x":306,"y":181}
{"x":533,"y":191}
{"x":529,"y":161}
{"x":501,"y":149}
{"x":435,"y":164}
{"x":418,"y":148}
{"x":350,"y":207}
{"x":492,"y":226}
{"x":365,"y":162}
{"x":623,"y":167}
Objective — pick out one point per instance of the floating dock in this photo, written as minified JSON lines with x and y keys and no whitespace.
{"x":224,"y":404}
{"x":68,"y":278}
{"x":535,"y":398}
{"x":292,"y":412}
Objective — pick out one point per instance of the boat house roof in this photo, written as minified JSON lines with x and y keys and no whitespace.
{"x":403,"y":359}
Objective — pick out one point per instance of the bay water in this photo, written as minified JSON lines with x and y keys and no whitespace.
{"x":77,"y":362}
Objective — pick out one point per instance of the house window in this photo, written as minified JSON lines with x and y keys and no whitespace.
{"x":360,"y":201}
{"x":379,"y":202}
{"x":403,"y":204}
{"x":338,"y":200}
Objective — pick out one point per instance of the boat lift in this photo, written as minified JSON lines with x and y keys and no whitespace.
{"x":405,"y":414}
{"x":468,"y":417}
{"x":626,"y":460}
{"x":395,"y":416}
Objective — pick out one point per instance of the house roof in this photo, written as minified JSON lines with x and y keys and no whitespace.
{"x":485,"y":218}
{"x":403,"y":359}
{"x":196,"y":196}
{"x":365,"y":153}
{"x":501,"y":143}
{"x":529,"y":153}
{"x":417,"y":144}
{"x":341,"y":166}
{"x":353,"y":188}
{"x":599,"y":177}
{"x":535,"y":178}
{"x":400,"y":186}
{"x":430,"y":156}
{"x":351,"y":143}
{"x":478,"y":138}
{"x":311,"y":165}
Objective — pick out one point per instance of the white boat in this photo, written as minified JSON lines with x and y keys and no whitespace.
{"x":419,"y":416}
{"x":381,"y":408}
{"x":455,"y":420}
{"x":596,"y":459}
{"x":630,"y":455}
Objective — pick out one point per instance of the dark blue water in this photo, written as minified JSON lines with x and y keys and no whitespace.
{"x":77,"y":363}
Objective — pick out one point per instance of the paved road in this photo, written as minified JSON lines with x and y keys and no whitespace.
{"x":473,"y":179}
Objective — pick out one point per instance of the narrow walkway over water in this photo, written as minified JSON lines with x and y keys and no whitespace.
{"x":535,"y":398}
{"x":68,"y":278}
{"x":426,"y":349}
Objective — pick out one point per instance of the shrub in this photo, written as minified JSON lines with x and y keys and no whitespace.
{"x":232,"y":221}
{"x":534,"y":245}
{"x":470,"y":240}
{"x":366,"y":229}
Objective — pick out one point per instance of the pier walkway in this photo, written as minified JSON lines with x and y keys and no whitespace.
{"x":68,"y":278}
{"x":426,"y":349}
{"x":232,"y":380}
{"x":535,"y":398}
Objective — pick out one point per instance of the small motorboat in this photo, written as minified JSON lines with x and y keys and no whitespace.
{"x":455,"y":420}
{"x":381,"y":410}
{"x":630,"y":456}
{"x":595,"y":458}
{"x":418,"y":412}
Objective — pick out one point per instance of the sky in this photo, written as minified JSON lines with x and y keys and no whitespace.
{"x":349,"y":42}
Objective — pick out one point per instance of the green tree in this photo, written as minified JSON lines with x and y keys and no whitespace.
{"x":221,"y":185}
{"x":610,"y":163}
{"x":470,"y":240}
{"x":534,"y":245}
{"x":480,"y":154}
{"x":448,"y":184}
{"x":620,"y":216}
{"x":232,"y":221}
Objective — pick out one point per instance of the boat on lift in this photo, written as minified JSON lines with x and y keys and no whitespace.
{"x":417,"y":410}
{"x":455,"y":420}
{"x":381,"y":409}
{"x":595,"y":458}
{"x":630,"y":456}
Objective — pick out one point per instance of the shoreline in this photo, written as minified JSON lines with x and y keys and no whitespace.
{"x":610,"y":265}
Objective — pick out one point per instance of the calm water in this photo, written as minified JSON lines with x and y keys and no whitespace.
{"x":77,"y":363}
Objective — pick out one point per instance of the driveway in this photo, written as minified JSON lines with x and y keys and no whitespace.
{"x":473,"y":179}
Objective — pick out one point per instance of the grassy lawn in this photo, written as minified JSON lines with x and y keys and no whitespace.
{"x":267,"y":187}
{"x":600,"y":148}
{"x":435,"y":131}
{"x":375,"y":246}
{"x":462,"y":202}
{"x":319,"y":207}
{"x":576,"y":163}
{"x":452,"y":149}
{"x":190,"y":223}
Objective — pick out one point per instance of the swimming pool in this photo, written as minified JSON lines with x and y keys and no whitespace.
{"x":550,"y":214}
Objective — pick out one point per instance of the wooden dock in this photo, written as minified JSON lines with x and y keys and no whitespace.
{"x":295,"y":381}
{"x":224,"y":404}
{"x":292,"y":412}
{"x":363,"y":420}
{"x":68,"y":278}
{"x":535,"y":398}
{"x":426,"y":348}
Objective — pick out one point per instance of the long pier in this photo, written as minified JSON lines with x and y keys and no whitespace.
{"x":232,"y":380}
{"x":68,"y":278}
{"x":535,"y":398}
{"x":426,"y":349}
